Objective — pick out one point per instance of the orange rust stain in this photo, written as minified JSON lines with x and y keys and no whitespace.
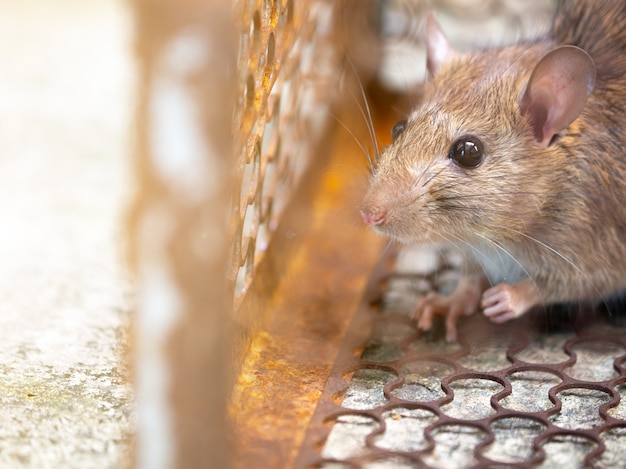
{"x":294,"y":346}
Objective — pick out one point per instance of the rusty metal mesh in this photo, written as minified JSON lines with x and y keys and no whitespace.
{"x":524,"y":394}
{"x":283,"y":46}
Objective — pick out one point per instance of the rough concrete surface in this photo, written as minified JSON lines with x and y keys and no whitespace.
{"x":65,"y":106}
{"x":526,"y":352}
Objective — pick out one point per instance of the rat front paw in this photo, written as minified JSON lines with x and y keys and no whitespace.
{"x":464,"y":301}
{"x":505,"y":302}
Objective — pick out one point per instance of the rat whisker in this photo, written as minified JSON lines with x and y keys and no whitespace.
{"x":368,"y":124}
{"x":451,"y":243}
{"x":433,"y":176}
{"x":541,"y":243}
{"x":474,"y":249}
{"x":514,"y":259}
{"x":477,"y":196}
{"x":550,"y":248}
{"x":357,"y":141}
{"x":367,"y":117}
{"x":449,"y":208}
{"x":562,"y":256}
{"x":418,"y":182}
{"x":387,"y":247}
{"x":409,"y":94}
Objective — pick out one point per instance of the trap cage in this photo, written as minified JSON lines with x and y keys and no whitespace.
{"x":254,"y":121}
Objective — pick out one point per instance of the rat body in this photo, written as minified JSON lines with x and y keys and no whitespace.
{"x":516,"y":156}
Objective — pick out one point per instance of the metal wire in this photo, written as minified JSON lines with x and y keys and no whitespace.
{"x":282,"y":48}
{"x":523,"y":394}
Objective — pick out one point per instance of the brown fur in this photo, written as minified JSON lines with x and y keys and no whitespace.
{"x":559,"y":211}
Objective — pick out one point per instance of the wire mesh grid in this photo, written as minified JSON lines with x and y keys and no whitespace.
{"x":523,"y":394}
{"x":282,"y":48}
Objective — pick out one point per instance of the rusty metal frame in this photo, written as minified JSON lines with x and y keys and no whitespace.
{"x":348,"y":362}
{"x":280,"y":105}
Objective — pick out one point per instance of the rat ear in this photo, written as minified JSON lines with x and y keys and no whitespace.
{"x":557,"y":91}
{"x":438,"y":49}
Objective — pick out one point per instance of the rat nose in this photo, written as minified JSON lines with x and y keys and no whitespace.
{"x":374,"y":217}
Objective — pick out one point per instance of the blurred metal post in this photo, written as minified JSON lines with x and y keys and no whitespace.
{"x":178,"y":231}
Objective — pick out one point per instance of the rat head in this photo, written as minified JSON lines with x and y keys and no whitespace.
{"x":481,"y":150}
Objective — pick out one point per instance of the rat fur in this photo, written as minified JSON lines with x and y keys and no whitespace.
{"x":542,"y":216}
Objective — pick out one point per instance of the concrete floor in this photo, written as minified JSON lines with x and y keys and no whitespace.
{"x":65,"y":107}
{"x":579,"y":358}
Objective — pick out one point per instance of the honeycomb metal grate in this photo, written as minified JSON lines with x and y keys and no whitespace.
{"x":283,"y":45}
{"x":523,"y":394}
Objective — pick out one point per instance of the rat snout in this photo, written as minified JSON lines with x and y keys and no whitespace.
{"x":374,"y":216}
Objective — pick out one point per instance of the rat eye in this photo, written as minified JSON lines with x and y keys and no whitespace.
{"x":398,"y":129}
{"x":467,"y":152}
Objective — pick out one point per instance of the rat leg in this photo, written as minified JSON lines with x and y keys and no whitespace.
{"x":463,"y":301}
{"x":505,"y":302}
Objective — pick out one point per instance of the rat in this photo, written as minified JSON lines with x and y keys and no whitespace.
{"x":516,"y":155}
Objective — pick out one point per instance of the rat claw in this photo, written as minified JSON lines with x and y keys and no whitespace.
{"x":504,"y":317}
{"x":425,"y":321}
{"x":464,"y":301}
{"x":451,"y":334}
{"x":425,"y":310}
{"x":505,"y":302}
{"x":490,"y":299}
{"x":456,"y":310}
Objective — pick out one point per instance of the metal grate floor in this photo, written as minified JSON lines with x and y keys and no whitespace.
{"x":523,"y":394}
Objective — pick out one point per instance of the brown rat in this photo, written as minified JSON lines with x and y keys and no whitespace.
{"x":516,"y":156}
